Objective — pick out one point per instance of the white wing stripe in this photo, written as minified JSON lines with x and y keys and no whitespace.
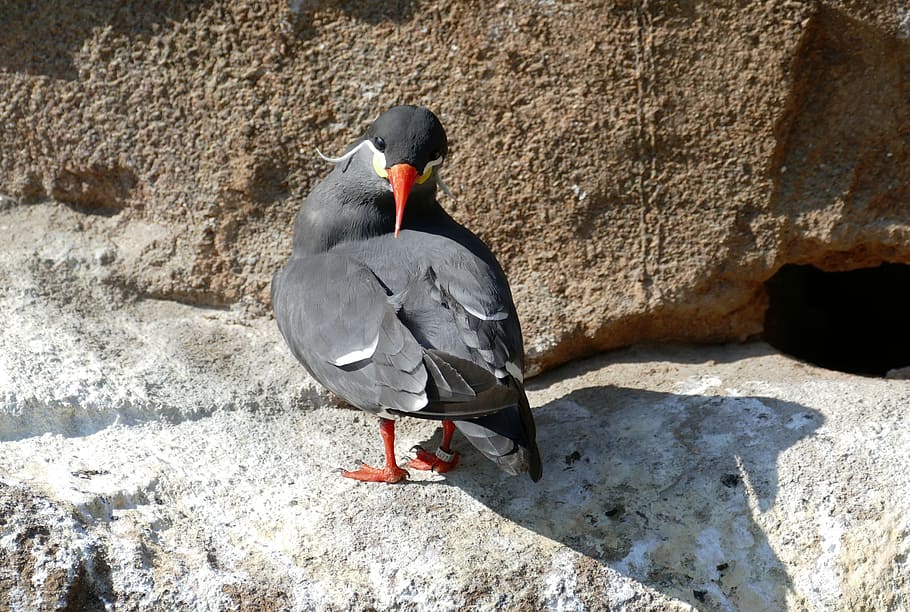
{"x":497,"y":316}
{"x":357,"y":355}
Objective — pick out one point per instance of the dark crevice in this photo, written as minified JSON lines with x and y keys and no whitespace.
{"x":856,"y":321}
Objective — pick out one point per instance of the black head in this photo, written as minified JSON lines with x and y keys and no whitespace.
{"x":408,"y":145}
{"x":411,"y":135}
{"x":394,"y":164}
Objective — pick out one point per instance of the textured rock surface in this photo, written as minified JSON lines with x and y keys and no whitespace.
{"x":79,"y":351}
{"x":641,"y":167}
{"x":725,"y":478}
{"x":159,"y":456}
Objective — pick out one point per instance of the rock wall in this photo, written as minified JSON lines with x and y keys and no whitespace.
{"x":641,"y":167}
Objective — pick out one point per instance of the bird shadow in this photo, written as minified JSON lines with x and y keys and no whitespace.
{"x":663,"y":488}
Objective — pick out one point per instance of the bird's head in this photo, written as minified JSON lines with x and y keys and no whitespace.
{"x":408,"y":146}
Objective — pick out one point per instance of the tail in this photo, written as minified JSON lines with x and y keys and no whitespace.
{"x":508,"y":438}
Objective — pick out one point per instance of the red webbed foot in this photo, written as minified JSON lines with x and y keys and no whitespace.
{"x":440,"y":462}
{"x":443,"y":460}
{"x":390,"y":474}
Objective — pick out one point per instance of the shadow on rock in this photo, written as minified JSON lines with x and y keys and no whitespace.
{"x":41,"y":38}
{"x":660,"y":487}
{"x":368,"y":11}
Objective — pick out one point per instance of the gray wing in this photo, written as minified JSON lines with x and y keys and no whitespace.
{"x":442,"y":343}
{"x":467,"y":293}
{"x":486,"y":322}
{"x":451,"y":299}
{"x":483,"y":313}
{"x":338,"y":320}
{"x":342,"y":323}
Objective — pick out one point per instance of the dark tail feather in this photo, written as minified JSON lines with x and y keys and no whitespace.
{"x":529,"y":429}
{"x":508,"y":438}
{"x":451,"y":379}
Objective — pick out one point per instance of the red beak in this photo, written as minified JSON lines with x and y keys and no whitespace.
{"x":402,"y":177}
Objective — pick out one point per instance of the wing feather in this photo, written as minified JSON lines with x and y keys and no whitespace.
{"x":340,"y":322}
{"x":392,"y":335}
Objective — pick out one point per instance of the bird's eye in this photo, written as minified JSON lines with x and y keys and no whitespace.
{"x":379,"y":142}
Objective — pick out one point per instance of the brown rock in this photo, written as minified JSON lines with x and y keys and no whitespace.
{"x":46,"y":557}
{"x":641,"y":168}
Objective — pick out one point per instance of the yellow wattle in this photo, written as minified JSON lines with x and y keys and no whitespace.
{"x":380,"y":169}
{"x":379,"y":165}
{"x":425,"y":176}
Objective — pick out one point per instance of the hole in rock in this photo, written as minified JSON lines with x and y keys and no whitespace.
{"x":856,"y":321}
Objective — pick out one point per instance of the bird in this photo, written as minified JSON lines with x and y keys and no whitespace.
{"x":396,"y":308}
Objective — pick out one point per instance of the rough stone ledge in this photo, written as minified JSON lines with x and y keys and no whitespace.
{"x":157,"y":456}
{"x":721,"y":478}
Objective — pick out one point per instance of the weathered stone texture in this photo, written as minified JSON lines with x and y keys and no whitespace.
{"x":641,"y":167}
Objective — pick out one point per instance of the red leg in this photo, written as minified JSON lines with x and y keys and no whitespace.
{"x":391,"y":473}
{"x":444,"y":459}
{"x":448,"y":428}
